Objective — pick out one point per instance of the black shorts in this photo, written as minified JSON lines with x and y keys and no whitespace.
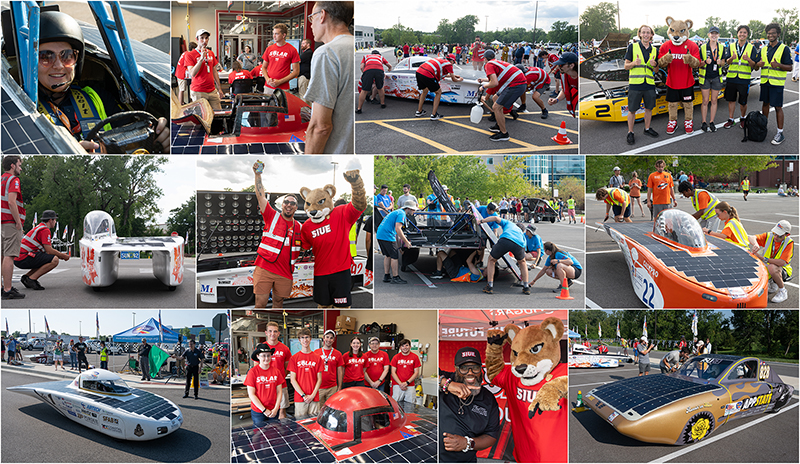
{"x":771,"y":95}
{"x":388,"y":248}
{"x":503,"y":211}
{"x":507,"y":97}
{"x":425,"y":82}
{"x":34,"y":262}
{"x":636,"y":97}
{"x":618,"y":211}
{"x":504,"y":246}
{"x":333,"y":289}
{"x":370,"y":76}
{"x":680,"y":95}
{"x":734,"y":90}
{"x":578,"y":272}
{"x":452,"y":264}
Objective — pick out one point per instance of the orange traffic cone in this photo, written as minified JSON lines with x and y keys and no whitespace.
{"x":583,"y":219}
{"x":561,"y":138}
{"x":564,"y":291}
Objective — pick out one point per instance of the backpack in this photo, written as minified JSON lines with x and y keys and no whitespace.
{"x":755,"y":127}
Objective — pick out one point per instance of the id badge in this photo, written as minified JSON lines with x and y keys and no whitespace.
{"x":326,"y":367}
{"x":715,"y":67}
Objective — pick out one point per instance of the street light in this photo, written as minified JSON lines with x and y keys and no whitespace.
{"x":134,"y":317}
{"x":334,"y":163}
{"x":80,"y":333}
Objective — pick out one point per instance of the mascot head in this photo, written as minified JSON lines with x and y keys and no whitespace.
{"x":535,"y":350}
{"x":678,"y":31}
{"x":318,"y":202}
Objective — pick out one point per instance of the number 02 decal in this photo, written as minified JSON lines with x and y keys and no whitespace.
{"x":603,"y":111}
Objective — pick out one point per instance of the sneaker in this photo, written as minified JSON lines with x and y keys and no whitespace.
{"x":495,"y":129}
{"x":514,"y":115}
{"x":703,"y":127}
{"x":741,"y":123}
{"x":437,"y":274}
{"x":502,"y":137}
{"x":358,"y":111}
{"x":383,"y":106}
{"x":671,"y":127}
{"x":779,"y":138}
{"x":557,"y":289}
{"x":773,"y":287}
{"x":631,"y":139}
{"x":545,"y":113}
{"x":553,"y":94}
{"x":186,"y":395}
{"x":26,"y":281}
{"x":782,"y":296}
{"x":523,"y":108}
{"x":13,"y":294}
{"x":569,"y":282}
{"x":398,"y":280}
{"x":34,"y":284}
{"x":729,"y":123}
{"x":436,"y":116}
{"x":526,"y":290}
{"x":387,"y":278}
{"x":492,"y":118}
{"x":488,"y":289}
{"x":420,"y":113}
{"x":688,"y":126}
{"x":651,"y":132}
{"x":712,"y":126}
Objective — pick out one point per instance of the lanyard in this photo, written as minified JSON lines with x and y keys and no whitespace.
{"x":63,"y":117}
{"x":325,"y":357}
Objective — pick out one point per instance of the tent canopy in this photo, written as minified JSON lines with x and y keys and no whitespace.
{"x":147,"y":330}
{"x":572,"y":334}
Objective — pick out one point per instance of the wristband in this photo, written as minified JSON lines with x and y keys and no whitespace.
{"x":470,"y":445}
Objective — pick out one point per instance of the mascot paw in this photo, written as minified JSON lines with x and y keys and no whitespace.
{"x":496,"y":337}
{"x":546,"y":400}
{"x":352,"y":176}
{"x":665,"y":60}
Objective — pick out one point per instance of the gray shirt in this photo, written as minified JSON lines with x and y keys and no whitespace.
{"x":673,"y":357}
{"x":248,"y":60}
{"x":331,"y":85}
{"x":643,"y":358}
{"x":403,"y":198}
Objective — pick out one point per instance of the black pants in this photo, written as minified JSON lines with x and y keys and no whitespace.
{"x":82,"y":360}
{"x":192,"y":372}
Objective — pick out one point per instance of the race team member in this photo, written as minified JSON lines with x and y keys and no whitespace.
{"x":451,"y":261}
{"x":305,"y":373}
{"x":263,"y":384}
{"x":180,"y":74}
{"x":478,"y":54}
{"x":383,"y":203}
{"x":713,"y":56}
{"x":377,"y":365}
{"x":775,"y":62}
{"x":635,"y":185}
{"x":559,"y":264}
{"x":741,"y":63}
{"x":36,"y":252}
{"x":660,"y":190}
{"x":512,"y":240}
{"x":533,"y":245}
{"x":619,"y":200}
{"x":61,"y":99}
{"x":568,"y":67}
{"x":733,"y":231}
{"x":641,"y":64}
{"x":466,"y":430}
{"x":571,"y":210}
{"x":538,"y":80}
{"x":506,"y":83}
{"x":193,"y":358}
{"x":332,"y":367}
{"x":405,"y":370}
{"x":144,"y":358}
{"x":390,"y":229}
{"x":778,"y":251}
{"x":238,"y":73}
{"x":703,"y":203}
{"x":80,"y":349}
{"x":354,"y":363}
{"x":671,"y":361}
{"x":429,"y":74}
{"x":372,"y":74}
{"x":201,"y":65}
{"x":13,"y":216}
{"x":745,"y":187}
{"x":644,"y":356}
{"x":281,"y":60}
{"x":406,"y":49}
{"x":490,"y":210}
{"x":551,"y":59}
{"x":280,"y":357}
{"x":278,"y":250}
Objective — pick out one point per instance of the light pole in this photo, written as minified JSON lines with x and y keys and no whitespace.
{"x":334,"y":163}
{"x":80,"y":333}
{"x":487,"y":24}
{"x":134,"y":317}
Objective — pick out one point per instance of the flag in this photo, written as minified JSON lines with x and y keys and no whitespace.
{"x":586,"y":330}
{"x":599,"y":331}
{"x":230,"y":4}
{"x":157,"y":358}
{"x":8,"y":334}
{"x":644,"y":327}
{"x":694,"y":323}
{"x":35,"y":218}
{"x":618,"y":334}
{"x":160,"y":328}
{"x":72,"y":237}
{"x":57,"y":227}
{"x":97,"y":320}
{"x":46,"y":328}
{"x":66,"y":232}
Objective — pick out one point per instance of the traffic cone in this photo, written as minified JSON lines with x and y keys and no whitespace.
{"x":564,"y":291}
{"x":583,"y":219}
{"x":561,"y":138}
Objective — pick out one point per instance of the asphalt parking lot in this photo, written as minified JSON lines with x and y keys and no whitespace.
{"x":610,"y":137}
{"x":135,"y":287}
{"x":395,"y":130}
{"x":759,"y":438}
{"x":608,"y":278}
{"x":424,"y":292}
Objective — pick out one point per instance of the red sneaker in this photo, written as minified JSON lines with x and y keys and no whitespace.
{"x":688,"y":126}
{"x":671,"y":127}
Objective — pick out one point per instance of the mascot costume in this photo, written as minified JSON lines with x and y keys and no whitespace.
{"x":327,"y":232}
{"x":536,"y":387}
{"x":678,"y":57}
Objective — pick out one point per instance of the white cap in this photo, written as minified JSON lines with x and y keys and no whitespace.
{"x":616,"y":168}
{"x":700,"y":343}
{"x":329,"y":331}
{"x":782,"y":227}
{"x":445,"y":187}
{"x":201,"y":32}
{"x":410,"y":204}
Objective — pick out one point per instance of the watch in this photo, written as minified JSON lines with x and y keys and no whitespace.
{"x":470,"y":445}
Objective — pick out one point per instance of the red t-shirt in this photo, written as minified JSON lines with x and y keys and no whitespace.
{"x":477,"y":51}
{"x":551,"y":58}
{"x":353,"y":367}
{"x":279,"y":62}
{"x":330,"y":366}
{"x":405,"y":49}
{"x":243,"y":74}
{"x":331,"y":240}
{"x":373,"y":61}
{"x":203,"y":81}
{"x":679,"y":74}
{"x":495,"y":67}
{"x":13,"y":186}
{"x":256,"y":72}
{"x":43,"y":237}
{"x":434,"y":71}
{"x":180,"y":69}
{"x":375,"y":364}
{"x":570,"y":87}
{"x":283,"y":265}
{"x":266,"y":382}
{"x":661,"y":185}
{"x":279,"y":358}
{"x":405,"y":366}
{"x":306,"y":368}
{"x":542,"y":438}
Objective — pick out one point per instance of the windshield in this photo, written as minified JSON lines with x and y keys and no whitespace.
{"x":704,"y":368}
{"x":333,"y":419}
{"x":117,"y":386}
{"x":98,"y":224}
{"x":679,"y":227}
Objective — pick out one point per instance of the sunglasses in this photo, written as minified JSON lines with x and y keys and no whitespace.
{"x":48,"y":57}
{"x":466,"y":368}
{"x":289,"y":202}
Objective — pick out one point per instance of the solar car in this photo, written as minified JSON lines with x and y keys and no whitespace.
{"x":582,"y":357}
{"x":401,"y":82}
{"x":687,"y":406}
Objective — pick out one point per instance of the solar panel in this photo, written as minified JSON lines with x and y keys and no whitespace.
{"x":154,"y":61}
{"x":20,"y":134}
{"x":187,"y":139}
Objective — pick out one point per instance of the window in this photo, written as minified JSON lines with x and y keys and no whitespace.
{"x":333,"y":419}
{"x":744,"y":370}
{"x":375,"y":422}
{"x":679,"y":227}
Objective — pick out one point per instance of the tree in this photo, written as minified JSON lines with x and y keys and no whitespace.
{"x":182,"y":220}
{"x":598,"y":20}
{"x":207,"y":333}
{"x":787,"y":20}
{"x":562,"y":32}
{"x":464,"y":28}
{"x":756,"y":29}
{"x":572,"y":186}
{"x":399,"y":35}
{"x":446,"y":30}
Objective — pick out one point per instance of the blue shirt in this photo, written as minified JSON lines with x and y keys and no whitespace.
{"x":533,"y":244}
{"x":386,"y":230}
{"x":683,"y":178}
{"x":485,"y":213}
{"x":563,"y":255}
{"x":435,"y":204}
{"x":512,"y":232}
{"x":384,"y":200}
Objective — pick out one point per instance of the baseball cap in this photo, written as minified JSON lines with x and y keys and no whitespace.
{"x":329,"y":331}
{"x":489,"y":55}
{"x":445,"y":187}
{"x":467,"y":354}
{"x":566,"y":58}
{"x":201,"y":32}
{"x":410,"y":204}
{"x":713,"y":29}
{"x":261,"y":348}
{"x":782,"y":227}
{"x":531,"y":228}
{"x":373,"y":338}
{"x":451,"y":57}
{"x":616,"y":168}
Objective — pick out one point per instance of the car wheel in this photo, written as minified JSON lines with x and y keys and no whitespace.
{"x":697,"y":428}
{"x":240,"y":296}
{"x":538,"y":218}
{"x":552,"y":220}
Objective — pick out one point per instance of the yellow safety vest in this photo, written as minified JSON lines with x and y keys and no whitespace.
{"x":92,"y":113}
{"x":787,"y":242}
{"x":770,"y":75}
{"x":745,"y":184}
{"x":570,"y":204}
{"x":738,"y":231}
{"x":610,"y":198}
{"x":643,"y":73}
{"x":104,"y":354}
{"x":709,"y":211}
{"x":704,"y":56}
{"x":353,"y":236}
{"x":738,"y":69}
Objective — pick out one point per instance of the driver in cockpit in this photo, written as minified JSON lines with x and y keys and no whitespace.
{"x":79,"y":109}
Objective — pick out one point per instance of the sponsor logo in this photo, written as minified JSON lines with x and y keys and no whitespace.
{"x":760,"y":400}
{"x":613,"y":416}
{"x":71,"y":413}
{"x":321,"y":231}
{"x":206,"y":289}
{"x":479,"y":410}
{"x":111,"y":428}
{"x":649,"y":268}
{"x":733,"y":408}
{"x":526,"y":395}
{"x":699,"y":406}
{"x":138,"y":430}
{"x":223,"y":282}
{"x":112,"y":420}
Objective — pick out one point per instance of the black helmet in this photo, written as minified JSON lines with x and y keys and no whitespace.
{"x":522,"y":67}
{"x":55,"y":26}
{"x":489,"y":55}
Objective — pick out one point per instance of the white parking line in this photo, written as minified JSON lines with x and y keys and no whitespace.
{"x":683,"y":451}
{"x":592,"y":304}
{"x":762,"y":222}
{"x":422,"y":276}
{"x":588,"y":384}
{"x":571,"y":248}
{"x":604,"y":251}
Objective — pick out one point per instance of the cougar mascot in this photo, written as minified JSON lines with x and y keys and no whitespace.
{"x":679,"y":56}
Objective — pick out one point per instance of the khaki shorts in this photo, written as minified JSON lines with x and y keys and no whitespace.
{"x":182,"y":86}
{"x":264,"y":281}
{"x":212,"y":97}
{"x":302,"y":409}
{"x":285,"y":398}
{"x":325,"y":393}
{"x":12,"y":240}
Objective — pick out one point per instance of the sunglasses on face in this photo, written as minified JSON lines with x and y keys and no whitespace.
{"x":289,"y":202}
{"x":466,"y":368}
{"x":48,"y":57}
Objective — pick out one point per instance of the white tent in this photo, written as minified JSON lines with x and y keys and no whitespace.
{"x":497,"y":42}
{"x":657,"y":39}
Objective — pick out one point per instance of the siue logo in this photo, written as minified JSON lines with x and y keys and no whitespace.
{"x":321,"y":231}
{"x":340,"y":300}
{"x":526,"y":395}
{"x":470,"y":354}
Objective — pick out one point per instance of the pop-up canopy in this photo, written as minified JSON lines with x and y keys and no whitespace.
{"x":147,"y":330}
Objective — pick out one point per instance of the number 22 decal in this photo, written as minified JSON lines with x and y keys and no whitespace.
{"x":652,"y":287}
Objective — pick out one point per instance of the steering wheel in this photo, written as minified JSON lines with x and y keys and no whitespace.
{"x":137,"y":137}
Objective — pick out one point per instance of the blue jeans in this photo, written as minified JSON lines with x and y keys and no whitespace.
{"x":259,"y":418}
{"x":73,"y":360}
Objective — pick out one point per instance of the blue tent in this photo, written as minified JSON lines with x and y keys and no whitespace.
{"x":573,"y":334}
{"x":147,"y":330}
